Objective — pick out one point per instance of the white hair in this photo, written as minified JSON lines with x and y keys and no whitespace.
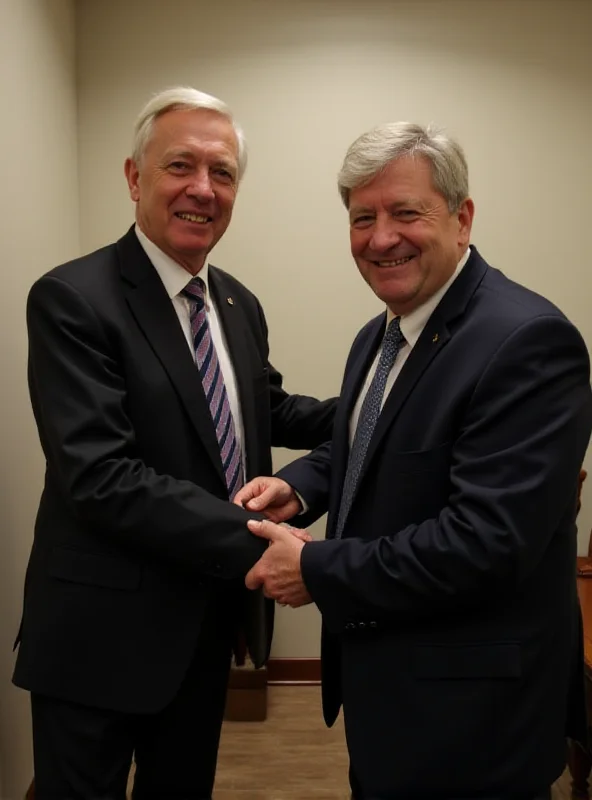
{"x":373,"y":150}
{"x":183,"y":97}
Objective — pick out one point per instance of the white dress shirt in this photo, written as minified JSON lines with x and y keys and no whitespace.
{"x":412,"y":325}
{"x":175,"y":278}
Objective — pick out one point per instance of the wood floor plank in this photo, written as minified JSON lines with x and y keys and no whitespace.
{"x":290,"y":756}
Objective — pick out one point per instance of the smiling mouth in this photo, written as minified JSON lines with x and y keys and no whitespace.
{"x":192,"y":217}
{"x":396,"y":263}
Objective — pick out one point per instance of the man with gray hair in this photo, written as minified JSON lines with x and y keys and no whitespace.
{"x":447,"y":580}
{"x":154,"y":399}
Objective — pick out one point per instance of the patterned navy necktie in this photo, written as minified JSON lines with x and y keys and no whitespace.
{"x":392,"y":342}
{"x":213,"y":384}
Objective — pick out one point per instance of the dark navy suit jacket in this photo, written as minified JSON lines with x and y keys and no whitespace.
{"x":450,"y":622}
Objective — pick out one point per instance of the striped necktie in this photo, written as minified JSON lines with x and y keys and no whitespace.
{"x":392,"y":342}
{"x":213,"y":385}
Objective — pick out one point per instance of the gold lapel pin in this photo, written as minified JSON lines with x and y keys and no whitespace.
{"x":230,"y":301}
{"x":436,"y":337}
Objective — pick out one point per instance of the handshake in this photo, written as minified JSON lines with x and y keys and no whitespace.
{"x":278,"y":569}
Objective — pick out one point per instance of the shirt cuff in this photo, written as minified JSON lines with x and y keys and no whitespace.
{"x":303,"y":503}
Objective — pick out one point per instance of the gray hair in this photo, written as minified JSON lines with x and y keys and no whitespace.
{"x":372,"y":151}
{"x":180,"y":97}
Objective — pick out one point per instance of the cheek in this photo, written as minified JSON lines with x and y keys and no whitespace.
{"x":419,"y":238}
{"x":223,"y":210}
{"x":364,"y":269}
{"x":154,"y":201}
{"x":228,"y":203}
{"x":357,"y":243}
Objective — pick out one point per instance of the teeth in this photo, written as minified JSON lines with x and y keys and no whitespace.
{"x":192,"y":217}
{"x":394,"y":263}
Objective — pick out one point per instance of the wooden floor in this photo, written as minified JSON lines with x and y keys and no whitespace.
{"x":292,"y":755}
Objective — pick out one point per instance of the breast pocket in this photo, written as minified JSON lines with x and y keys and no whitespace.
{"x":412,"y":461}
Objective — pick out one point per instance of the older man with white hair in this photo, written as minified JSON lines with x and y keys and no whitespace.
{"x":154,"y":400}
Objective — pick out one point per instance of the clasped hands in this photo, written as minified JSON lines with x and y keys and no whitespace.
{"x":278,"y":569}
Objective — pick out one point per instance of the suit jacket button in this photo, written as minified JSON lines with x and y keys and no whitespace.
{"x":373,"y":624}
{"x":361,"y":625}
{"x":350,"y":626}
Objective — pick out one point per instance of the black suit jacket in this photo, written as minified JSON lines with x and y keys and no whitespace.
{"x":449,"y":606}
{"x":134,"y":531}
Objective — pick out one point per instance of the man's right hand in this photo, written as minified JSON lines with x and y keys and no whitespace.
{"x":272,"y":496}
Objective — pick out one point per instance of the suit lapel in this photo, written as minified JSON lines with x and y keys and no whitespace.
{"x":235,"y":328}
{"x":156,"y":316}
{"x":433,"y":339}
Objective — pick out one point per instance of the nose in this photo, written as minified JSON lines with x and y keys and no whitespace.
{"x":200,"y":186}
{"x":385,"y":235}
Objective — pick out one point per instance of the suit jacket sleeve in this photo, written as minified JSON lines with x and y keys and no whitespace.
{"x":79,"y":398}
{"x":515,"y":458}
{"x":310,"y":477}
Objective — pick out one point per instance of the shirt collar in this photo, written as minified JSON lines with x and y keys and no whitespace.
{"x":173,"y":276}
{"x":412,"y":324}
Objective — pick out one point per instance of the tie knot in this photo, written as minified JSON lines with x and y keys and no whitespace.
{"x":393,"y":335}
{"x":195,"y":290}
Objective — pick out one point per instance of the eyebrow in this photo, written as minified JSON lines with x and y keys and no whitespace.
{"x":408,"y":203}
{"x":229,"y":163}
{"x":190,"y":156}
{"x":360,"y":210}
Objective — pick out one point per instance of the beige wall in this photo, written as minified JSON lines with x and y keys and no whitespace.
{"x":510,"y":78}
{"x":38,"y":229}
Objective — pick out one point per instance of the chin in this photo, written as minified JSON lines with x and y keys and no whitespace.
{"x":395,"y":296}
{"x":401,"y":303}
{"x":192,"y":244}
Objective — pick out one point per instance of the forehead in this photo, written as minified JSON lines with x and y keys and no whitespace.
{"x":401,"y":179}
{"x":193,"y":130}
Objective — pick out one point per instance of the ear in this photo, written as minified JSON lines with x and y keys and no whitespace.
{"x":132,"y":174}
{"x":465,"y":222}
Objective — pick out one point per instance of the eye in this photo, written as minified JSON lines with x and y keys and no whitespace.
{"x":225,"y":174}
{"x":406,"y":213}
{"x":361,"y":221}
{"x":179,"y":166}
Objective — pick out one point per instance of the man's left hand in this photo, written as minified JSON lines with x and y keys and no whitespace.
{"x":278,"y":569}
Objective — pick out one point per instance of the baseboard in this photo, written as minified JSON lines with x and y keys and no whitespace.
{"x":294,"y":671}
